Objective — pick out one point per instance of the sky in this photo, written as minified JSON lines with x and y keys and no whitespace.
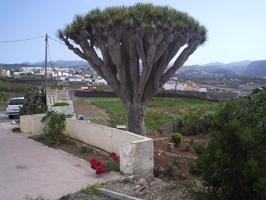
{"x":236,"y":28}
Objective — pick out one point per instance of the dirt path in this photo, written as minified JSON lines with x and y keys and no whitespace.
{"x":93,"y":113}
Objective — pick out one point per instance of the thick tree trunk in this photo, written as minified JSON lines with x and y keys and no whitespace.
{"x":135,"y":116}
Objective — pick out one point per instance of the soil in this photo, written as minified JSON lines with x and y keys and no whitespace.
{"x":80,"y":150}
{"x":181,"y":157}
{"x":155,"y":189}
{"x":93,"y":113}
{"x":85,"y":152}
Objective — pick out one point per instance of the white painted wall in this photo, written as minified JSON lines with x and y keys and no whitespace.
{"x":136,"y":152}
{"x":32,"y":124}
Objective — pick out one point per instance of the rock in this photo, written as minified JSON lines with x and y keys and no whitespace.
{"x":143,"y":182}
{"x":170,"y":146}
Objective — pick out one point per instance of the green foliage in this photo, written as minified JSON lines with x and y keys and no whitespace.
{"x":198,"y":148}
{"x":85,"y":149}
{"x":61,"y":104}
{"x":16,"y":130}
{"x":233,"y":163}
{"x":188,"y":147}
{"x":138,"y":15}
{"x":112,"y":166}
{"x":3,"y":96}
{"x":91,"y":190}
{"x":54,"y":132}
{"x":34,"y":102}
{"x":160,"y":112}
{"x":197,"y":121}
{"x":171,"y":168}
{"x":176,"y":138}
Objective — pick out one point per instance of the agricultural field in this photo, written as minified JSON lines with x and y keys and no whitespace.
{"x":160,"y":111}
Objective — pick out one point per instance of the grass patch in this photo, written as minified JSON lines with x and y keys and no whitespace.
{"x":16,"y":130}
{"x":160,"y":112}
{"x":91,"y":190}
{"x":61,"y":104}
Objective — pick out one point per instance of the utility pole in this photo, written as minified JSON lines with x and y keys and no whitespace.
{"x":45,"y":65}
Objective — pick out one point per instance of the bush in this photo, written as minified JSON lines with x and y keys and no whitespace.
{"x":35,"y":102}
{"x":234,"y":162}
{"x":54,"y":132}
{"x":176,"y":138}
{"x":198,"y":148}
{"x":197,"y":121}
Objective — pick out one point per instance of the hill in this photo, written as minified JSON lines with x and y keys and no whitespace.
{"x":57,"y":63}
{"x":256,"y":69}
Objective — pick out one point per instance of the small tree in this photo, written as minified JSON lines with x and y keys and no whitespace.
{"x":134,"y":45}
{"x":54,"y":132}
{"x":34,"y":102}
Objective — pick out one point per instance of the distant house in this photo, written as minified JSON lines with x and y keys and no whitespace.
{"x":100,"y":82}
{"x":4,"y":72}
{"x":75,"y":78}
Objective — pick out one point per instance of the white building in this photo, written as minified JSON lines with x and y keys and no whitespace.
{"x":5,"y":72}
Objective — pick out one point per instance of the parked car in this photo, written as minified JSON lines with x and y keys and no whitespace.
{"x":14,"y":106}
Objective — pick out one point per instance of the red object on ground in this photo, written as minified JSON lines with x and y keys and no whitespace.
{"x":114,"y":156}
{"x":98,"y":166}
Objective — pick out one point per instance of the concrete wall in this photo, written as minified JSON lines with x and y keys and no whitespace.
{"x":32,"y":124}
{"x":136,"y":152}
{"x":66,"y":110}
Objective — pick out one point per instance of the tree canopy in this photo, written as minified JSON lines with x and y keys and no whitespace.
{"x":135,"y":46}
{"x":139,"y":15}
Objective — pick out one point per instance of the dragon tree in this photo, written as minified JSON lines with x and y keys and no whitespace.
{"x":132,"y":48}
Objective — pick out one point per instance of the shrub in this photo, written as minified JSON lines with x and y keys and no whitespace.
{"x":198,"y":148}
{"x":54,"y":132}
{"x":171,"y":168}
{"x":197,"y":121}
{"x":233,"y":164}
{"x":35,"y":102}
{"x":176,"y":138}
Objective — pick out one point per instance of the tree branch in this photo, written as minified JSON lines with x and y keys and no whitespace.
{"x":179,"y":61}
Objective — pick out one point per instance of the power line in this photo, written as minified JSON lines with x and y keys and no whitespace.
{"x":56,"y":41}
{"x":21,"y":40}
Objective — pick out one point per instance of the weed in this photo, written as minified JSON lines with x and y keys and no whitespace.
{"x":16,"y":130}
{"x":199,"y":148}
{"x":112,"y":166}
{"x":176,"y":138}
{"x":85,"y":149}
{"x":171,"y":168}
{"x":188,"y":147}
{"x":91,"y":190}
